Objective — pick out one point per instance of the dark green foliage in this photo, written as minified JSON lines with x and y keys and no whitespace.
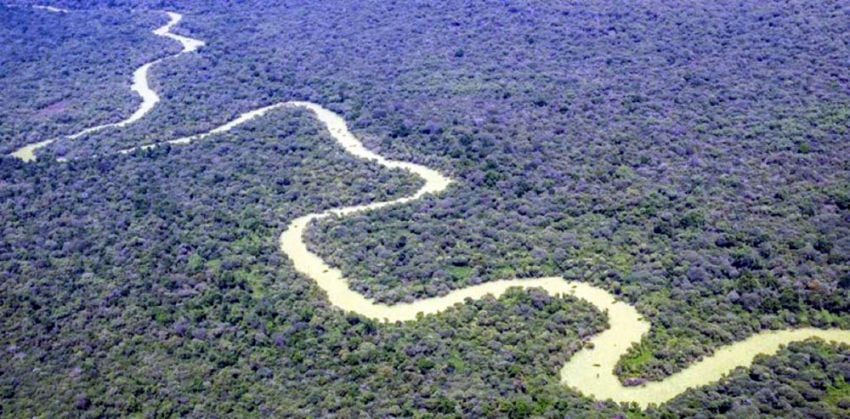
{"x":689,"y":157}
{"x":61,"y":73}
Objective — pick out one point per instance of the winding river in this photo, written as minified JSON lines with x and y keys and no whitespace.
{"x":589,"y":371}
{"x":51,"y":9}
{"x":140,"y":85}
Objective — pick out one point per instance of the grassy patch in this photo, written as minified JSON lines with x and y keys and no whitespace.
{"x":840,"y":391}
{"x":635,"y":361}
{"x":461,"y":273}
{"x":253,"y":280}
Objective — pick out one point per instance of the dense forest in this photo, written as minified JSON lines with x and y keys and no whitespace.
{"x":63,"y":72}
{"x":690,"y":157}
